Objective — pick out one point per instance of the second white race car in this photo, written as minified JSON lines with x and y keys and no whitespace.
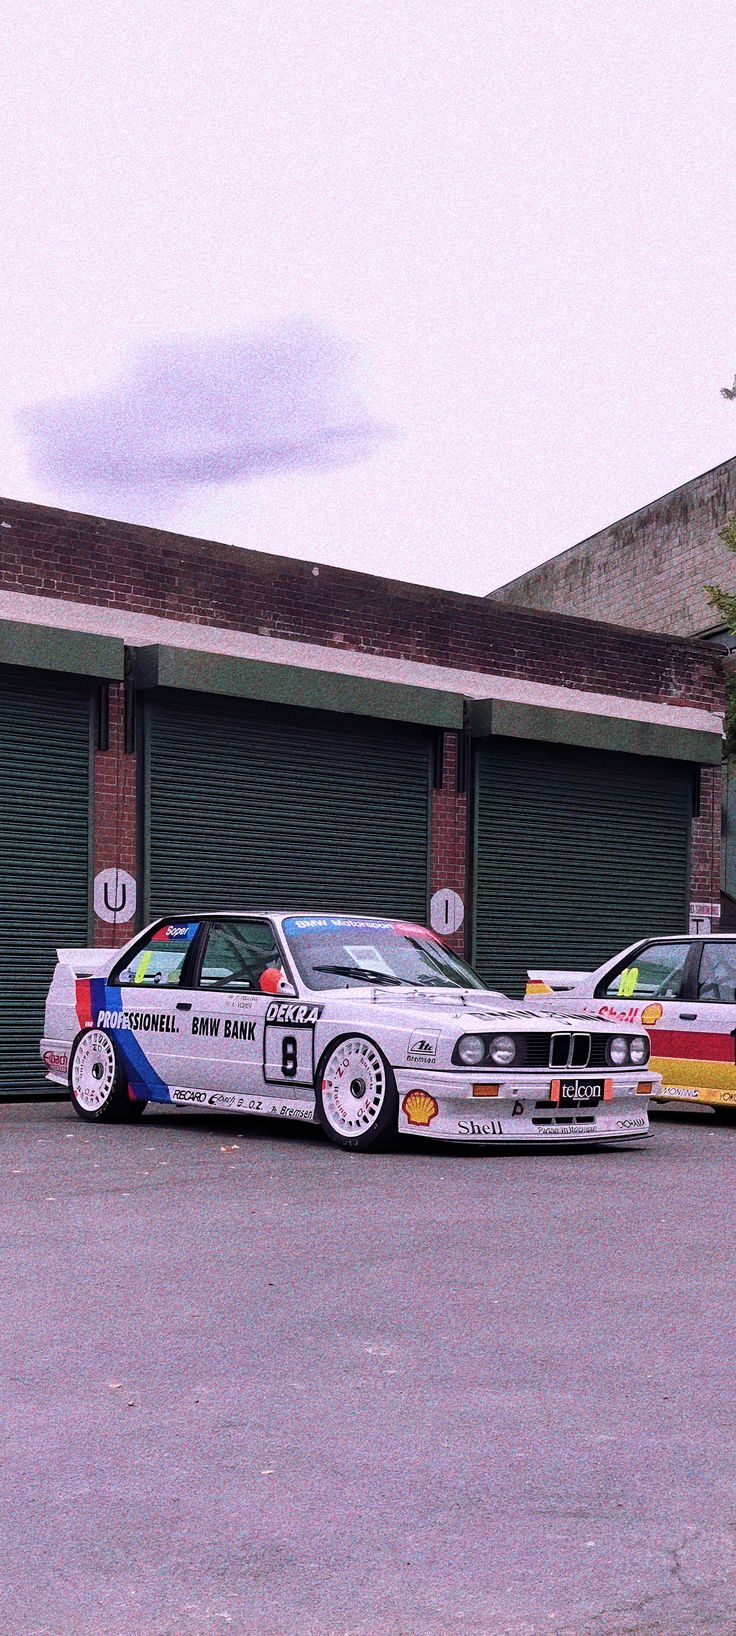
{"x":682,"y":989}
{"x":369,"y":1025}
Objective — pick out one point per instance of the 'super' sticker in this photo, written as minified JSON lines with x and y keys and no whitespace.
{"x":176,"y":931}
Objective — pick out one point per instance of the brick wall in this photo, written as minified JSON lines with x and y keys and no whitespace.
{"x":48,"y":552}
{"x":115,"y":824}
{"x":449,"y":866}
{"x":705,"y":866}
{"x":88,"y":559}
{"x":648,"y":570}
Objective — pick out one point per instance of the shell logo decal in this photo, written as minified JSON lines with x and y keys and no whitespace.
{"x":651,"y":1015}
{"x":420,"y":1108}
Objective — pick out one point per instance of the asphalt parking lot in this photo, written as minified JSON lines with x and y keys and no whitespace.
{"x":251,"y":1383}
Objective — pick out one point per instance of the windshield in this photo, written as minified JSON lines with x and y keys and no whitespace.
{"x":339,"y":951}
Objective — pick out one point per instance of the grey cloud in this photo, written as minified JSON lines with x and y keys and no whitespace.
{"x":208,"y":410}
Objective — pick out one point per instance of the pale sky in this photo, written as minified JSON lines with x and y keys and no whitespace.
{"x":463,"y":272}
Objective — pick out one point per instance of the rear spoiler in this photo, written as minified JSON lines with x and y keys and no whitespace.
{"x":84,"y":962}
{"x":553,"y":982}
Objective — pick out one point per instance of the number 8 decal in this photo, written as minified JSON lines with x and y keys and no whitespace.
{"x":288,"y":1057}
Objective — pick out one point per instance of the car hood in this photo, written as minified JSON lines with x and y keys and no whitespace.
{"x":471,"y":1010}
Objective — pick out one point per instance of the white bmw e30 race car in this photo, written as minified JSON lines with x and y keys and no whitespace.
{"x":364,"y":1024}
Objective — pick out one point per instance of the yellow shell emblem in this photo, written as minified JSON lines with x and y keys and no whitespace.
{"x":651,"y":1015}
{"x":420,"y":1108}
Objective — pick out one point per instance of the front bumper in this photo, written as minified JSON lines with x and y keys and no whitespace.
{"x":443,"y":1105}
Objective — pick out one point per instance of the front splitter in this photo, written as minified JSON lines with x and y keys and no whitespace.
{"x":452,"y":1120}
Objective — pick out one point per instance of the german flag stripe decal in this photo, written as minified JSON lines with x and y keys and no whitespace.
{"x":84,"y":1002}
{"x":697,"y":1047}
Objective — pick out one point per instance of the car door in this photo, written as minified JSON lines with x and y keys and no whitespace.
{"x":703,"y":1062}
{"x":241,"y":983}
{"x":654,"y":987}
{"x":146,"y":1009}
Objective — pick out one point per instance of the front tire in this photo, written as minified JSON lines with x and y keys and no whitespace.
{"x":97,"y":1083}
{"x":356,"y":1095}
{"x":725,"y":1113}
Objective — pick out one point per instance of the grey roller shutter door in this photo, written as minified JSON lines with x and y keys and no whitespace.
{"x":45,"y":770}
{"x":255,"y":804}
{"x":577,"y":853}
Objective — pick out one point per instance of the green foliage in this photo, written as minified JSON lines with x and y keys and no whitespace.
{"x":729,"y":720}
{"x":725,"y":602}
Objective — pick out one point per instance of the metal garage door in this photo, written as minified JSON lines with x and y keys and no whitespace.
{"x":577,"y":853}
{"x":256,"y":804}
{"x":45,"y":760}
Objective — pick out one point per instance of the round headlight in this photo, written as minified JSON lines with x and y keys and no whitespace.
{"x":471,"y":1050}
{"x":639,"y":1049}
{"x":502,"y":1050}
{"x":618,"y":1050}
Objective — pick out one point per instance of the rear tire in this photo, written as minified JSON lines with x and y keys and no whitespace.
{"x":356,"y":1095}
{"x":98,"y":1086}
{"x":726,"y":1115}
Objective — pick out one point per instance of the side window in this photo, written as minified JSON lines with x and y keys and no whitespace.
{"x":655,"y":973}
{"x":159,"y":963}
{"x":717,"y":975}
{"x":238,"y":954}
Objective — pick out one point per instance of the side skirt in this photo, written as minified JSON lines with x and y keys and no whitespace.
{"x":274,"y":1107}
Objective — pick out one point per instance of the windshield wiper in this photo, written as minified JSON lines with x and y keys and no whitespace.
{"x":426,"y":980}
{"x":363,"y":972}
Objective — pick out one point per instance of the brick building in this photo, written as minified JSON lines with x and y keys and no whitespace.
{"x":187,"y":725}
{"x":649,"y":569}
